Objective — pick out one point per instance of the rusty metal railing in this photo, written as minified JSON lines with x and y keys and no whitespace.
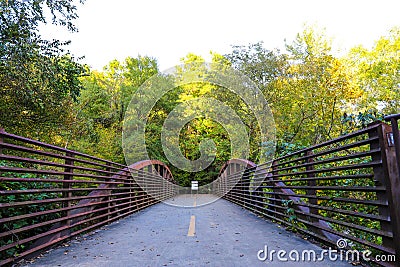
{"x":49,"y":194}
{"x":346,"y":188}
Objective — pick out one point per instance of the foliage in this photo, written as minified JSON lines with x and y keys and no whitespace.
{"x":378,"y":74}
{"x":101,"y":107}
{"x":289,"y":211}
{"x":308,"y":71}
{"x":38,"y":78}
{"x":27,"y":209}
{"x":352,"y":122}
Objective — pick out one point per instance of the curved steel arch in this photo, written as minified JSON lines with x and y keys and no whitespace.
{"x":243,"y":162}
{"x":160,"y":167}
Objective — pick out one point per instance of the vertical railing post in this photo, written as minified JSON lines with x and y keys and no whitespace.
{"x":275,"y":202}
{"x":1,"y":144}
{"x":245,"y":186}
{"x":221,"y":184}
{"x":311,"y":183}
{"x":1,"y":140}
{"x":163,"y":189}
{"x":396,"y":137}
{"x":225,"y":182}
{"x":67,"y":185}
{"x":165,"y":183}
{"x":257,"y":198}
{"x":108,"y":198}
{"x":129,"y":178}
{"x":160,"y":184}
{"x":141,"y":189}
{"x":226,"y":191}
{"x":134,"y":175}
{"x":151,"y":183}
{"x":218,"y":185}
{"x":393,"y":169}
{"x":168,"y":186}
{"x":387,"y":174}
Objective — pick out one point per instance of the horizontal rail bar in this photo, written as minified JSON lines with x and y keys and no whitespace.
{"x":57,"y":148}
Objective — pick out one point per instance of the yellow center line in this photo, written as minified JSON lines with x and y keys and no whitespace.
{"x":192,"y":226}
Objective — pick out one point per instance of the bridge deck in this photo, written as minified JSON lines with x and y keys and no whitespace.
{"x":219,"y":234}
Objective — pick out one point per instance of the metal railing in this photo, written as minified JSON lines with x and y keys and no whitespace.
{"x":49,"y":194}
{"x":346,"y":188}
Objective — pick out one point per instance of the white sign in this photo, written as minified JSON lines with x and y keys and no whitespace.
{"x":195,"y":185}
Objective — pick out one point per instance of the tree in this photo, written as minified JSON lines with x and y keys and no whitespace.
{"x":306,"y":87}
{"x":321,"y":85}
{"x":208,"y":110}
{"x":262,"y":66}
{"x":378,"y":74}
{"x":101,"y":107}
{"x":39,"y":80}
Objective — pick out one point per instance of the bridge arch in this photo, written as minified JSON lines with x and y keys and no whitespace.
{"x":235,"y":164}
{"x":154,"y":166}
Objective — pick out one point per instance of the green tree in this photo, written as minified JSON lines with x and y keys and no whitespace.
{"x":306,"y":87}
{"x":101,"y":107}
{"x":206,"y":125}
{"x":39,"y":80}
{"x":321,"y":86}
{"x":262,"y":66}
{"x":378,"y":74}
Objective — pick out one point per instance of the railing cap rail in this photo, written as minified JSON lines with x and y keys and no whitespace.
{"x":392,"y":116}
{"x":5,"y":134}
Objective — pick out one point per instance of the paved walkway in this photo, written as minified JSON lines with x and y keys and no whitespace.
{"x":219,"y":234}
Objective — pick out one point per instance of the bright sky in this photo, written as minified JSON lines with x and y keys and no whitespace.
{"x":168,"y":30}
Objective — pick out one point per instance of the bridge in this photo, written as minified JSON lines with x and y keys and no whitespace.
{"x":60,"y":207}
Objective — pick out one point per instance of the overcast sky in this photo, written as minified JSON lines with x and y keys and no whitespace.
{"x":169,"y":29}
